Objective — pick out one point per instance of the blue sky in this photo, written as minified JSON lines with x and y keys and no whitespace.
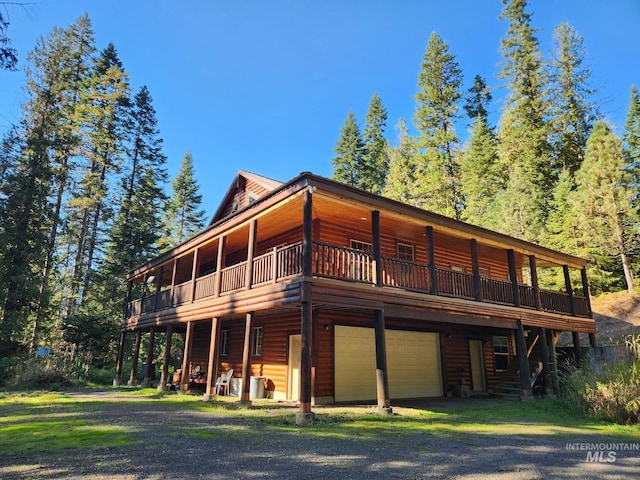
{"x":265,"y":85}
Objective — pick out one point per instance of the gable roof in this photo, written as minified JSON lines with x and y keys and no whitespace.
{"x":246,"y":187}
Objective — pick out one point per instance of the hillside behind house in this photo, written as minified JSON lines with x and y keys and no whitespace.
{"x":616,"y":315}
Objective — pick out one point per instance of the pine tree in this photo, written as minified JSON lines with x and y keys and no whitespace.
{"x":482,"y":176}
{"x":631,"y":138}
{"x":348,"y":164}
{"x":601,"y":203}
{"x":438,"y":171}
{"x":524,"y":131}
{"x":401,"y":179}
{"x":375,"y":158}
{"x":573,"y":114}
{"x":477,"y":100}
{"x":184,"y":215}
{"x":8,"y":54}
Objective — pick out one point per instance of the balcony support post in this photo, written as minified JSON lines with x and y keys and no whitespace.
{"x":523,"y":362}
{"x":533,"y":267}
{"x":547,"y":376}
{"x":174,"y":274}
{"x":553,"y":357}
{"x":194,"y":274}
{"x":120,"y":360}
{"x":592,"y":340}
{"x":382,"y":379}
{"x":246,"y":360}
{"x":431,"y":258}
{"x":477,"y":282}
{"x":212,"y":366}
{"x":219,"y":264}
{"x":158,"y":287}
{"x":164,"y":376}
{"x":134,"y":365}
{"x":577,"y":348}
{"x":513,"y":276}
{"x":186,"y":358}
{"x":569,"y":288}
{"x":146,"y":382}
{"x":251,"y":247}
{"x":585,"y":288}
{"x":377,"y":257}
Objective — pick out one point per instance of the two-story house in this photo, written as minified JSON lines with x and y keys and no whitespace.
{"x":333,"y":294}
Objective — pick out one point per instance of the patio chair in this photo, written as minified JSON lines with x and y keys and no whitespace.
{"x":224,"y":381}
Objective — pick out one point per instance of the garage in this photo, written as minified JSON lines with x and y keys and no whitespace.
{"x":413,"y":362}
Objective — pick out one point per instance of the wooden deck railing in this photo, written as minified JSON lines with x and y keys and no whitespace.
{"x":354,"y":265}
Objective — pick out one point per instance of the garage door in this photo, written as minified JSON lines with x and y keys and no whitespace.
{"x":413,"y":362}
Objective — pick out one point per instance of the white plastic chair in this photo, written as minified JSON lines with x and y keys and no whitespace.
{"x":224,"y":382}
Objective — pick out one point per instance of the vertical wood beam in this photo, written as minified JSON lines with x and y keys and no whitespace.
{"x":567,"y":282}
{"x":307,"y":232}
{"x":120,"y":359}
{"x":523,"y":361}
{"x":164,"y":376}
{"x":592,"y":340}
{"x":377,"y":255}
{"x":134,"y":365}
{"x":174,"y":274}
{"x":475,"y":267}
{"x":431,"y":259}
{"x":547,"y":376}
{"x":553,"y":357}
{"x":219,"y":265}
{"x":147,"y":368}
{"x":246,"y":360}
{"x":251,"y":248}
{"x":186,"y":357}
{"x":194,"y":274}
{"x":212,"y":366}
{"x":513,"y":276}
{"x":158,"y":286}
{"x":533,"y":266}
{"x":382,"y":378}
{"x":577,"y":352}
{"x":585,"y":288}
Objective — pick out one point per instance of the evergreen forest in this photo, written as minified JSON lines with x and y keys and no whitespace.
{"x":85,"y":195}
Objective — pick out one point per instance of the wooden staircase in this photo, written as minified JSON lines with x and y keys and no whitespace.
{"x":507,"y":384}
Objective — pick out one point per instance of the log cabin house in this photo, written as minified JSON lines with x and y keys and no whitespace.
{"x":331,"y":294}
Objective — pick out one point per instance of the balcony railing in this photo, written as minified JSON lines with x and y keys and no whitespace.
{"x":333,"y":261}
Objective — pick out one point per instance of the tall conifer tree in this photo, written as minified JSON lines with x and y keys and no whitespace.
{"x":376,"y":157}
{"x":401,"y":179}
{"x":631,"y":138}
{"x":348,"y":164}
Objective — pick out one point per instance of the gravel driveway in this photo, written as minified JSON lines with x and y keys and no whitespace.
{"x":176,"y":442}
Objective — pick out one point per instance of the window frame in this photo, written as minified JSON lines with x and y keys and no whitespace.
{"x":224,"y":342}
{"x":257,"y":341}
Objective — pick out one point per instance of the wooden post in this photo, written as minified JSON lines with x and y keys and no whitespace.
{"x":577,"y":352}
{"x":194,"y":274}
{"x":475,"y":267}
{"x":147,"y":369}
{"x":164,"y":377}
{"x":592,"y":340}
{"x":523,"y":362}
{"x":251,"y":247}
{"x":127,"y":300}
{"x":186,"y":358}
{"x":246,"y":360}
{"x":533,"y":266}
{"x":554,"y":360}
{"x":305,"y":415}
{"x":120,"y":360}
{"x":382,"y":379}
{"x":585,"y":288}
{"x":431,"y":258}
{"x":547,"y":376}
{"x":567,"y":282}
{"x":212,"y":366}
{"x":219,"y":264}
{"x":134,"y":366}
{"x":377,"y":256}
{"x":513,"y":275}
{"x":158,"y":287}
{"x":174,"y":274}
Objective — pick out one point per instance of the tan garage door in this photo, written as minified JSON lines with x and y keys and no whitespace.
{"x":413,"y":361}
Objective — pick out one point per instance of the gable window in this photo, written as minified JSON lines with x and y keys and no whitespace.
{"x":257,"y":341}
{"x":501,"y":351}
{"x":224,"y":343}
{"x":405,"y":252}
{"x":251,"y":198}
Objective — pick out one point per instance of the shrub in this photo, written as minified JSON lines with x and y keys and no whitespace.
{"x":613,"y":394}
{"x":50,"y":373}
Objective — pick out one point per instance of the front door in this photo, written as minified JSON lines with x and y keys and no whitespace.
{"x":477,"y":366}
{"x":293,"y":389}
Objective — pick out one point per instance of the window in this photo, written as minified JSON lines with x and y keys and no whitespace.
{"x":405,"y":252}
{"x":484,"y":272}
{"x":257,"y":341}
{"x":501,"y":351}
{"x":357,"y":245}
{"x":224,"y":342}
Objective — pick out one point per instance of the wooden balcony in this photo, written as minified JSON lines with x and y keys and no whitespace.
{"x":337,"y":262}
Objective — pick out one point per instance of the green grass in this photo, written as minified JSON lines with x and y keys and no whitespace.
{"x":39,"y":421}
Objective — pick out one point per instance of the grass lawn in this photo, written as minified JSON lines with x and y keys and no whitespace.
{"x":42,"y":421}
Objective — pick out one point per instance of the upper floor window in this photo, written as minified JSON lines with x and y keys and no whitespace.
{"x":405,"y":252}
{"x":224,"y":342}
{"x":257,"y":341}
{"x":358,"y":245}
